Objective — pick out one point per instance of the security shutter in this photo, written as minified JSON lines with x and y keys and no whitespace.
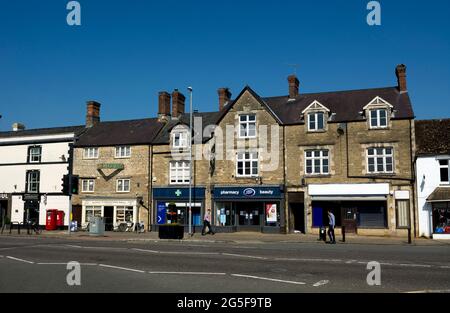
{"x":372,"y":216}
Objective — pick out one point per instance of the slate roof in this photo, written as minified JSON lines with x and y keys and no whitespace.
{"x":346,"y":105}
{"x":42,"y":131}
{"x":131,"y":132}
{"x":432,"y":137}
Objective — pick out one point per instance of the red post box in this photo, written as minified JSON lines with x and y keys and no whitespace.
{"x":50,"y":221}
{"x":60,"y":219}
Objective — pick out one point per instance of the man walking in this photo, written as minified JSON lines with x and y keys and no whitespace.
{"x":331,"y":225}
{"x":207,"y":223}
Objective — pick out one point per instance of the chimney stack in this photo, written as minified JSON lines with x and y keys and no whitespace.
{"x":18,"y":127}
{"x":293,"y":86}
{"x":163,"y":106}
{"x":400,"y":71}
{"x":93,"y":113}
{"x":224,"y":97}
{"x":177,"y":103}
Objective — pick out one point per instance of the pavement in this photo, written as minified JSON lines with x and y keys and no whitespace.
{"x":223,"y":263}
{"x":237,"y":237}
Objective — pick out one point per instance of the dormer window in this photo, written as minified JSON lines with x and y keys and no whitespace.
{"x":378,"y":112}
{"x":179,"y":139}
{"x":316,"y":121}
{"x":378,"y":118}
{"x":316,"y":116}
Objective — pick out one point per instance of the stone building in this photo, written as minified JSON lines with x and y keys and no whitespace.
{"x":113,"y":162}
{"x":278,"y":164}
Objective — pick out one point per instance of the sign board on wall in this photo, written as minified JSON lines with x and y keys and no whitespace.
{"x":271,"y":213}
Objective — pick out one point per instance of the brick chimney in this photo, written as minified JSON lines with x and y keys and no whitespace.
{"x":224,"y":97}
{"x":93,"y":113}
{"x":177,"y":103}
{"x":293,"y":86}
{"x":163,"y":105}
{"x":400,"y":71}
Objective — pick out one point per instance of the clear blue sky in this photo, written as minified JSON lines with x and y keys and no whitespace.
{"x":126,"y":51}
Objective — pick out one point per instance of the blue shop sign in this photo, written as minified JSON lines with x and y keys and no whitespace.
{"x":161,"y":216}
{"x":247,"y":192}
{"x":178,"y":193}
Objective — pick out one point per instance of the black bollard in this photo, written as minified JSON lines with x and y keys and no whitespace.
{"x":343,"y":233}
{"x":409,"y":235}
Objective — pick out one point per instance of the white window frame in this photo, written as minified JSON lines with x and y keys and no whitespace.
{"x":96,"y":211}
{"x":123,"y":152}
{"x":90,"y":184}
{"x":448,"y":169}
{"x":321,"y":158}
{"x":91,"y":153}
{"x":249,"y":157}
{"x":120,"y":185}
{"x":179,"y":172}
{"x":182,"y":141}
{"x":39,"y":155}
{"x":377,"y":156}
{"x":32,"y":180}
{"x":316,"y":121}
{"x":244,"y":125}
{"x":378,"y":118}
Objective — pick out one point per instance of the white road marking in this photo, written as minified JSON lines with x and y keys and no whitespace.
{"x":62,"y":263}
{"x":430,"y":291}
{"x":185,"y":273}
{"x":143,"y":250}
{"x":414,"y":265}
{"x":245,"y":256}
{"x":122,"y":268}
{"x":74,"y":246}
{"x":187,"y":252}
{"x":270,"y":279}
{"x":444,"y":266}
{"x":20,"y":260}
{"x":321,"y":283}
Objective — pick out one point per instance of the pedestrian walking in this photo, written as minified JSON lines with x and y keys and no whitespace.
{"x":331,"y":225}
{"x":207,"y":223}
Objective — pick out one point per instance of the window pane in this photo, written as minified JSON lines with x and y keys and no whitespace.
{"x":243,"y":118}
{"x":308,"y":154}
{"x":252,"y":118}
{"x":388,"y":151}
{"x":325,"y":169}
{"x":371,"y":151}
{"x":371,"y":168}
{"x":325,"y":153}
{"x":312,"y":121}
{"x":320,"y":122}
{"x":443,"y":162}
{"x":444,"y":174}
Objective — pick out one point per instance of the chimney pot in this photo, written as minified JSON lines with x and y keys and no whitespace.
{"x":92,"y":114}
{"x":224,"y":97}
{"x":18,"y":127}
{"x":293,"y":86}
{"x":177,"y":103}
{"x":400,"y":72}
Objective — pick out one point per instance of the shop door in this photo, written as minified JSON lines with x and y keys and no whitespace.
{"x":31,"y":212}
{"x":349,"y":219}
{"x":109,"y":218}
{"x":249,"y":216}
{"x":3,"y":208}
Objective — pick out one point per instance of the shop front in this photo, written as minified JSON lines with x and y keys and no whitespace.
{"x":172,"y":206}
{"x":115,"y":212}
{"x":249,"y":208}
{"x":440,"y":203}
{"x":355,"y":206}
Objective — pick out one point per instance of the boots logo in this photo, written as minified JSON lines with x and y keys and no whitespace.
{"x":249,"y":192}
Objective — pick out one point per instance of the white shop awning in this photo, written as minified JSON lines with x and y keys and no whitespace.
{"x":349,"y":192}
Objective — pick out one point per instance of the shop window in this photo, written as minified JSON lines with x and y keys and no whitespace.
{"x":179,"y":172}
{"x":317,"y":162}
{"x":402,"y":213}
{"x":444,"y":168}
{"x":32,"y":181}
{"x":441,"y":218}
{"x":34,"y":154}
{"x":247,"y":126}
{"x":124,"y":214}
{"x":247,"y":164}
{"x":371,"y":215}
{"x":380,"y":160}
{"x":224,"y":214}
{"x":92,"y":211}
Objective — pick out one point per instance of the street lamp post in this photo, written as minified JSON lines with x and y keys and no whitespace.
{"x":190,"y":160}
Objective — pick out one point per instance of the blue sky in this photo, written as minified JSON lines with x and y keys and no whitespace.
{"x":126,"y":51}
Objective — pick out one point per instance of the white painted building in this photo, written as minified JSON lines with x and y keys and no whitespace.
{"x":433,"y":178}
{"x":32,"y":165}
